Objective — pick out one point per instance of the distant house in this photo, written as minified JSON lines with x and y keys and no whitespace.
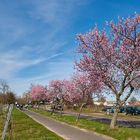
{"x":97,"y":103}
{"x":109,"y":103}
{"x":106,"y":103}
{"x":137,"y":103}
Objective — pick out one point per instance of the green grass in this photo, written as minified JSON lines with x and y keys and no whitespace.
{"x":1,"y":124}
{"x":25,"y":128}
{"x":3,"y":115}
{"x":118,"y":133}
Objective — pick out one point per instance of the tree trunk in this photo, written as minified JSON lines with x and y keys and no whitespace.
{"x":62,"y":106}
{"x":61,"y":111}
{"x":114,"y":119}
{"x":53,"y":109}
{"x":78,"y":116}
{"x":90,"y":101}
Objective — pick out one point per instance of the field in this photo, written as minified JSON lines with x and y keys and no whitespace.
{"x":25,"y":128}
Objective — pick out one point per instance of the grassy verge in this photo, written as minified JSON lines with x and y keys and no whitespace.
{"x":25,"y":128}
{"x":3,"y":115}
{"x":1,"y":124}
{"x":120,"y":133}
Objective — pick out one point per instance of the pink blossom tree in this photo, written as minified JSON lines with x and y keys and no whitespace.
{"x":38,"y":93}
{"x":85,"y":87}
{"x":55,"y":88}
{"x":70,"y":95}
{"x":113,"y":60}
{"x":56,"y":94}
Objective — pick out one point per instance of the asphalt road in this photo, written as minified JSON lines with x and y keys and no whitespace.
{"x":64,"y":130}
{"x":122,"y":122}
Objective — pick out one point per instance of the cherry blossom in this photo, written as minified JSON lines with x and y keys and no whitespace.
{"x":113,"y":60}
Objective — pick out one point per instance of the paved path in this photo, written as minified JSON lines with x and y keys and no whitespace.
{"x":66,"y":131}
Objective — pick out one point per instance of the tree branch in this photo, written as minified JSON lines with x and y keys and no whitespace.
{"x":129,"y":82}
{"x":128,"y":95}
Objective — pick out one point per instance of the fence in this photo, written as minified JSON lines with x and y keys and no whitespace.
{"x":7,"y":122}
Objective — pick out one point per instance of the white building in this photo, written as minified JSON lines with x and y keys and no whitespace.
{"x":106,"y":103}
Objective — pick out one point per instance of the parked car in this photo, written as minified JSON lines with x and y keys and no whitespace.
{"x":132,"y":110}
{"x":108,"y":109}
{"x":122,"y":110}
{"x":111,"y":109}
{"x":57,"y":107}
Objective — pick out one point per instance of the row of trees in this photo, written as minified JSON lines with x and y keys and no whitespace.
{"x":109,"y":61}
{"x":6,"y":96}
{"x":78,"y":90}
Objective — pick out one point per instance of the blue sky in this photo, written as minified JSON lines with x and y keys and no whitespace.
{"x":37,"y":37}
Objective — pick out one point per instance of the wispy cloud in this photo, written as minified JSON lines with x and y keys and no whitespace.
{"x":55,"y":12}
{"x":11,"y":63}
